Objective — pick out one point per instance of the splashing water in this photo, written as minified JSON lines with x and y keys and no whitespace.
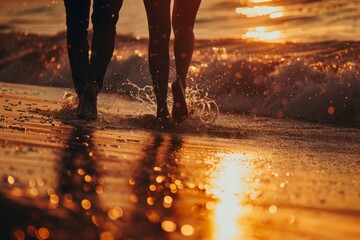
{"x":68,"y":106}
{"x":317,"y":82}
{"x":200,"y":105}
{"x":144,"y":95}
{"x":69,"y":100}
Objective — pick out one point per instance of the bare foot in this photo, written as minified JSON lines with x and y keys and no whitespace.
{"x":179,"y":111}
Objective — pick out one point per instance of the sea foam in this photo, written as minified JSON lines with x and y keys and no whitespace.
{"x":308,"y":81}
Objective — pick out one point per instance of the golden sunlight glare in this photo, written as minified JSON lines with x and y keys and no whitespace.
{"x":230,"y":189}
{"x":258,"y":11}
{"x":261,"y":34}
{"x":260,"y":1}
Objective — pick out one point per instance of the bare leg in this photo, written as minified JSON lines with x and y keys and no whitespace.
{"x":184,"y":14}
{"x":158,"y":14}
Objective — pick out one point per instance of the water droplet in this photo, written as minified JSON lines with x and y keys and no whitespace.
{"x":115,"y":213}
{"x":159,"y":179}
{"x":81,"y":171}
{"x":87,"y":178}
{"x":272,"y":209}
{"x":99,"y":190}
{"x":11,"y":179}
{"x":187,"y":230}
{"x":331,"y":110}
{"x":54,"y":199}
{"x":150,"y":201}
{"x":152,"y":188}
{"x":168,"y":226}
{"x":106,"y":236}
{"x":210,"y":205}
{"x":168,"y":199}
{"x":133,"y":198}
{"x":44,"y":233}
{"x":152,"y":216}
{"x":132,"y":181}
{"x":34,"y":191}
{"x":86,"y":204}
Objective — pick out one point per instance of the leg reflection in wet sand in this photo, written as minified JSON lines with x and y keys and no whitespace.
{"x":69,"y":211}
{"x":78,"y":183}
{"x":154,"y":190}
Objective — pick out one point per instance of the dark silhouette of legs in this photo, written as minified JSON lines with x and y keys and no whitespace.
{"x":77,"y":22}
{"x":183,"y":19}
{"x":158,"y":14}
{"x":88,"y":76}
{"x":161,"y":152}
{"x":184,"y":14}
{"x":104,"y":19}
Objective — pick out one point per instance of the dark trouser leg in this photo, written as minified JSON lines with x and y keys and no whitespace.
{"x":104,"y":19}
{"x":77,"y":22}
{"x":158,"y":14}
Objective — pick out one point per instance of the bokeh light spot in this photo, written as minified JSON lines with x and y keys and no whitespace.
{"x":115,"y":213}
{"x":11,"y":179}
{"x":331,"y":110}
{"x":168,"y":226}
{"x":106,"y":236}
{"x":272,"y":209}
{"x":86,"y":204}
{"x":44,"y":233}
{"x":187,"y":230}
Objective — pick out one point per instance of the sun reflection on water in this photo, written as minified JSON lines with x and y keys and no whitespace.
{"x":230,"y":186}
{"x":260,"y":1}
{"x":262,"y":34}
{"x":258,"y":11}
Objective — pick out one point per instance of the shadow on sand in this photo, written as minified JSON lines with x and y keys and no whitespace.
{"x":65,"y":216}
{"x":74,"y":209}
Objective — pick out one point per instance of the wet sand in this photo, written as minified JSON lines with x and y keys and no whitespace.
{"x":119,"y":178}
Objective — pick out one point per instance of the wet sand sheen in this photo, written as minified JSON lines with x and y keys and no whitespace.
{"x":66,"y":179}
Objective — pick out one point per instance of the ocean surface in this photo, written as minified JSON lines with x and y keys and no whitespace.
{"x":283,"y":59}
{"x":263,"y":20}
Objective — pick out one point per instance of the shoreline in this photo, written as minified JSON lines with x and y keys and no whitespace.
{"x":149,"y":108}
{"x":222,"y":40}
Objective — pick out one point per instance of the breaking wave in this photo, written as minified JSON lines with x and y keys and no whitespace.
{"x":317,"y":82}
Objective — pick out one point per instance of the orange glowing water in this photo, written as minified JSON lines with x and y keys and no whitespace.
{"x":283,"y":20}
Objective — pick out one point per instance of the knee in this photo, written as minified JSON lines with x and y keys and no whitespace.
{"x":183,"y":30}
{"x":182,"y":25}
